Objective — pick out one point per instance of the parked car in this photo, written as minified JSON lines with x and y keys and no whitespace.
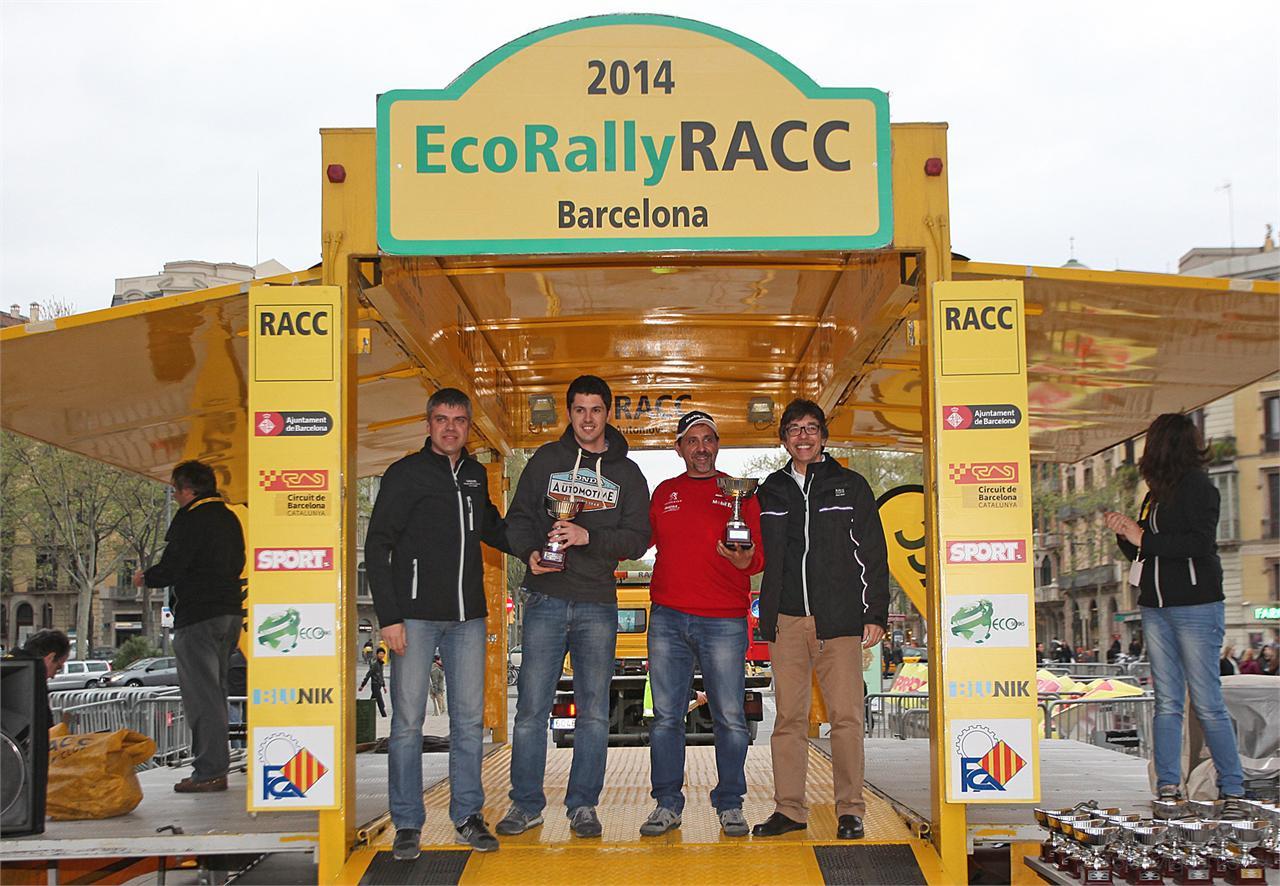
{"x":145,"y":672}
{"x":912,"y":654}
{"x":80,"y":674}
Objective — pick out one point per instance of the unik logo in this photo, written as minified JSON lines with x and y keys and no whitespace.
{"x":293,"y":559}
{"x":1005,"y":551}
{"x":288,"y":769}
{"x":989,"y":688}
{"x":290,"y":695}
{"x":987,"y":763}
{"x":285,"y":480}
{"x":287,"y":322}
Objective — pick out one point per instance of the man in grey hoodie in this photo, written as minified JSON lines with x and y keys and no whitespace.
{"x":574,"y":609}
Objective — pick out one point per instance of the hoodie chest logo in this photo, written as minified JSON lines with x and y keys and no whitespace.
{"x":599,"y":493}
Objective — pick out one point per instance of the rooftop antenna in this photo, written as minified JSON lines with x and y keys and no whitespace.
{"x":1072,"y":241}
{"x":1231,"y":223}
{"x":257,"y":216}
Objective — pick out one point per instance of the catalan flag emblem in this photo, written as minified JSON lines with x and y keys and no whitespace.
{"x":304,"y":770}
{"x":1002,"y":763}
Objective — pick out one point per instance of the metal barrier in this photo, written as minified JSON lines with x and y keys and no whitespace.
{"x":1118,"y":724}
{"x":897,"y":715}
{"x":1138,"y":672}
{"x":157,"y":714}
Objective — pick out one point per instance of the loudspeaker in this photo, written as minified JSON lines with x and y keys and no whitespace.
{"x":24,"y":746}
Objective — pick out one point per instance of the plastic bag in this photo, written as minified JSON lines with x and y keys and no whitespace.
{"x":92,"y":775}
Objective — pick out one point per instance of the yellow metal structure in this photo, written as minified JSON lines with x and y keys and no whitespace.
{"x":551,"y":854}
{"x":669,"y":332}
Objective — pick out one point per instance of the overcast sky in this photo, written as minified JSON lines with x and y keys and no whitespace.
{"x":133,"y":131}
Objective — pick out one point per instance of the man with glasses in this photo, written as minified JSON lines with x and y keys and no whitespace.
{"x":824,"y":598}
{"x":426,"y":574}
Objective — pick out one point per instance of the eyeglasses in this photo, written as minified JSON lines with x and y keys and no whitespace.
{"x":803,"y":430}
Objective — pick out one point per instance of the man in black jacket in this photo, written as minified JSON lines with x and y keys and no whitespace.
{"x":203,"y":560}
{"x":824,"y":597}
{"x":426,"y":574}
{"x":574,"y":609}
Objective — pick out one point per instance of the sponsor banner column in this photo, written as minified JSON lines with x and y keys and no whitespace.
{"x":295,"y":547}
{"x":988,"y":690}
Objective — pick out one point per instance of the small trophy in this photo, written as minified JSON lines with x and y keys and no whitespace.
{"x":559,"y":509}
{"x":737,"y":534}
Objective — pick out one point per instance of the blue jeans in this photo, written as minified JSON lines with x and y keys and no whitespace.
{"x":678,"y":641}
{"x":1183,"y":644}
{"x":461,"y":645}
{"x":589,"y":633}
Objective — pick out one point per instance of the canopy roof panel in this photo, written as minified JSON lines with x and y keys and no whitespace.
{"x":145,"y":385}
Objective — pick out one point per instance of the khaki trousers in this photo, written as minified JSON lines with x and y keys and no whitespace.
{"x":796,"y":655}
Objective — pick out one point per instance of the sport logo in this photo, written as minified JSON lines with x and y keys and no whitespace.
{"x":983,"y":472}
{"x":289,"y":770}
{"x":1007,"y":551}
{"x":292,"y":424}
{"x":289,"y":480}
{"x":995,"y":415}
{"x":292,"y":559}
{"x":987,"y":762}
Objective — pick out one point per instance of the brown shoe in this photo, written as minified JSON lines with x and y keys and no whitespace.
{"x":206,"y":786}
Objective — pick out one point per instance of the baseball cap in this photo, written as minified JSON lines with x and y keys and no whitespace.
{"x":696,"y":417}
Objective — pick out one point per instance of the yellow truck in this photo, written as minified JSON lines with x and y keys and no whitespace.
{"x":627,"y":721}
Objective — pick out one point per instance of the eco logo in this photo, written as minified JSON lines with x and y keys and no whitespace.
{"x":990,"y":621}
{"x":292,"y":766}
{"x":292,"y":424}
{"x":296,"y":631}
{"x":599,"y":493}
{"x":978,"y":418}
{"x":987,"y":761}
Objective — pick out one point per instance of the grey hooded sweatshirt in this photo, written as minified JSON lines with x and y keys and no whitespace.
{"x":616,"y":515}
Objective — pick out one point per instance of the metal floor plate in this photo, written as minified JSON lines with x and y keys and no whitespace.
{"x":625,"y":802}
{"x":440,"y":868}
{"x":868,"y":865}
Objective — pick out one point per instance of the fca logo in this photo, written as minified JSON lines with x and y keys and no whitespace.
{"x":276,"y":786}
{"x":974,"y":778}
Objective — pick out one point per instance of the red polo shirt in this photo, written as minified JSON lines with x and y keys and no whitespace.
{"x":687,"y":516}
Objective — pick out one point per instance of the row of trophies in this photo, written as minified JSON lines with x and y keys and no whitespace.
{"x":1185,"y":842}
{"x":736,"y":532}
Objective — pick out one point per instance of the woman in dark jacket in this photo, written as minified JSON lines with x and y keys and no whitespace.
{"x":1173,"y":546}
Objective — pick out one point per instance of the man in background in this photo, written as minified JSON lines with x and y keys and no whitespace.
{"x":203,"y":560}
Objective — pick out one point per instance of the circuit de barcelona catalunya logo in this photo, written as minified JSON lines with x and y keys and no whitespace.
{"x":292,"y":767}
{"x":987,"y":762}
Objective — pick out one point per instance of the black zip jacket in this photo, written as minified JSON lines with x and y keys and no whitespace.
{"x":616,"y":516}
{"x":202,"y":561}
{"x":1180,"y":565}
{"x":422,"y":551}
{"x":843,"y":580}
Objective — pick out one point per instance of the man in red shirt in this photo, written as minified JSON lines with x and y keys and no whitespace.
{"x":700,"y":593}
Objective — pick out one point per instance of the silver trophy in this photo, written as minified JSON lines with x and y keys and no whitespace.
{"x":1148,"y":866}
{"x":737,"y":534}
{"x":553,"y":553}
{"x":1097,"y":835}
{"x":1196,"y":835}
{"x":1247,"y":836}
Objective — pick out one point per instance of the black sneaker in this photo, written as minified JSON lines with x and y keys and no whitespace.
{"x":1236,"y":809}
{"x":474,"y":833}
{"x":408,"y":844}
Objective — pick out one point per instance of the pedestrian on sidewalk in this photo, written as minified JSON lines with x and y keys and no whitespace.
{"x":438,"y":705}
{"x":374,"y":676}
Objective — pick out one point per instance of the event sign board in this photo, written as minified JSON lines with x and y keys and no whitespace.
{"x":987,"y":631}
{"x":294,"y":547}
{"x":632,"y":133}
